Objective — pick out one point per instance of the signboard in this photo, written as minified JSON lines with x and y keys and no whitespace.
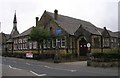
{"x":58,"y":31}
{"x":88,"y":44}
{"x":29,"y":55}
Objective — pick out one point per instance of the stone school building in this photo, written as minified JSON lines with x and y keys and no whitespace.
{"x":78,"y":36}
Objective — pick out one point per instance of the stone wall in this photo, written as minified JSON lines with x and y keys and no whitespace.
{"x":99,"y":50}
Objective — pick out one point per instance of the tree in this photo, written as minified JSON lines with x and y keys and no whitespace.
{"x":39,"y":34}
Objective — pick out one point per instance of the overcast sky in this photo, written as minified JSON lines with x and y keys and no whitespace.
{"x":101,"y":13}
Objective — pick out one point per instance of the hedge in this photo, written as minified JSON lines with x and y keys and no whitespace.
{"x":111,"y":56}
{"x":106,"y":55}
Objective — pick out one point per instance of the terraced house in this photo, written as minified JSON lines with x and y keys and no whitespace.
{"x":77,"y":36}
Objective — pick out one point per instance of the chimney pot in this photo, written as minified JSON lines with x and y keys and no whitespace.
{"x":56,"y":14}
{"x":105,"y":28}
{"x":37,"y":20}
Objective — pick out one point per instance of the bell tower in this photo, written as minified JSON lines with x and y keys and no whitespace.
{"x":14,"y":30}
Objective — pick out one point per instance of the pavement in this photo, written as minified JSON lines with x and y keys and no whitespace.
{"x":80,"y":63}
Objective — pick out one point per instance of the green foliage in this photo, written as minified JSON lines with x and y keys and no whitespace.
{"x":114,"y":50}
{"x":38,"y":34}
{"x":113,"y":54}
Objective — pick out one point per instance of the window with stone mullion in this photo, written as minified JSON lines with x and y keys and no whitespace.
{"x":63,"y":42}
{"x":53,"y":43}
{"x":58,"y":42}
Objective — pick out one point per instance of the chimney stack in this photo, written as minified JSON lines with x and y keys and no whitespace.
{"x":37,"y":20}
{"x":56,"y":14}
{"x":105,"y":28}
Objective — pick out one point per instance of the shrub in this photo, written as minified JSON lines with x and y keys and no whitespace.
{"x":18,"y":55}
{"x":108,"y":56}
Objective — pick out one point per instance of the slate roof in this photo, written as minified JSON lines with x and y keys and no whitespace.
{"x":112,"y":34}
{"x":7,"y":36}
{"x":117,"y":33}
{"x":10,"y":41}
{"x":25,"y":33}
{"x":70,"y":25}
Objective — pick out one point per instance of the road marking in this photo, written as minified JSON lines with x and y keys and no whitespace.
{"x":38,"y":74}
{"x":73,"y":70}
{"x":14,"y":68}
{"x":47,"y":66}
{"x":60,"y":69}
{"x":28,"y":63}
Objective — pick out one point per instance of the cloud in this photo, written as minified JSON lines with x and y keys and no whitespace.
{"x":99,"y":12}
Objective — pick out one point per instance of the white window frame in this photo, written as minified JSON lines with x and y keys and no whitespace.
{"x":63,"y":41}
{"x":44,"y":44}
{"x":53,"y":43}
{"x":26,"y":46}
{"x":106,"y":42}
{"x":112,"y":39}
{"x":21,"y":46}
{"x":58,"y":41}
{"x":20,"y":40}
{"x":25,"y":40}
{"x":14,"y":47}
{"x":34,"y":45}
{"x":30,"y":45}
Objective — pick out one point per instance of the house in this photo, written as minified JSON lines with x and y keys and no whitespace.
{"x":77,"y":37}
{"x":3,"y":40}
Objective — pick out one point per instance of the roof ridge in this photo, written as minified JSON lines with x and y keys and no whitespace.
{"x":27,"y":29}
{"x":69,"y":17}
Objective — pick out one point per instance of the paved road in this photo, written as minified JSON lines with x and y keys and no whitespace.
{"x":37,"y":68}
{"x":11,"y":71}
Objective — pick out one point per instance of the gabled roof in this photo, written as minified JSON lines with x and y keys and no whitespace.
{"x":112,"y":34}
{"x":7,"y":36}
{"x":117,"y":33}
{"x":25,"y":33}
{"x":70,"y":24}
{"x":10,"y":41}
